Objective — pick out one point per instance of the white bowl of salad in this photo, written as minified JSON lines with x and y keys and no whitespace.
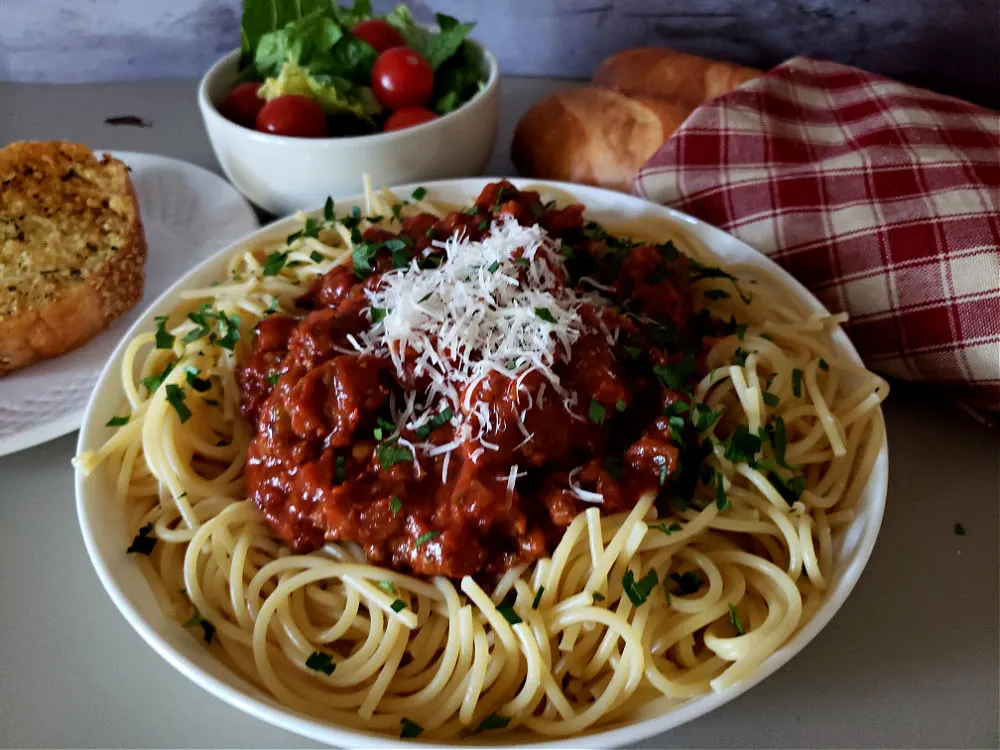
{"x":320,"y":94}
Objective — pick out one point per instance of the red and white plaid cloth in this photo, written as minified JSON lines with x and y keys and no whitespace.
{"x":880,"y":197}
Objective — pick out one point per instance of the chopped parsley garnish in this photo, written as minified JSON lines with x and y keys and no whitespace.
{"x":362,"y":257}
{"x":230,"y":329}
{"x":272,"y":379}
{"x":316,"y":256}
{"x":341,"y":473}
{"x":328,"y":214}
{"x":638,"y":591}
{"x":409,"y":729}
{"x":743,"y":446}
{"x":199,"y":384}
{"x":677,"y":374}
{"x":175,"y":397}
{"x":823,"y":365}
{"x":493,"y":721}
{"x":320,"y":662}
{"x":391,"y":453}
{"x":509,"y":614}
{"x":790,"y":489}
{"x":207,"y":628}
{"x":387,"y":587}
{"x":493,"y":267}
{"x":687,"y":583}
{"x":701,"y":271}
{"x":116,"y":421}
{"x":705,"y":418}
{"x":959,"y":530}
{"x":544,"y":314}
{"x":633,"y":351}
{"x":676,"y":425}
{"x":597,"y":413}
{"x":438,"y":420}
{"x":614,"y":467}
{"x":664,"y":528}
{"x":663,"y":475}
{"x":426,"y":537}
{"x":740,"y":356}
{"x":797,"y":383}
{"x":378,"y":314}
{"x":397,"y":605}
{"x":484,"y":224}
{"x":164,"y":339}
{"x":274,"y":263}
{"x":771,"y":399}
{"x":310,"y":228}
{"x":779,"y":441}
{"x":419,"y":193}
{"x":538,"y":596}
{"x":734,"y":618}
{"x":143,"y":543}
{"x":721,"y":501}
{"x":598,"y":597}
{"x":395,"y":505}
{"x":620,"y":405}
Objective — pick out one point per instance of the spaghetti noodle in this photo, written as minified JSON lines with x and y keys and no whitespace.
{"x":672,"y":601}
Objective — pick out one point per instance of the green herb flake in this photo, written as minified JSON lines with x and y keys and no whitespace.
{"x":493,"y":721}
{"x":597,"y":597}
{"x":387,"y":587}
{"x":797,"y":383}
{"x":164,"y":339}
{"x":620,"y":405}
{"x":493,"y":267}
{"x":199,"y":384}
{"x":117,"y":421}
{"x":378,"y":314}
{"x":638,"y":591}
{"x":438,"y":420}
{"x":740,"y":357}
{"x":395,"y":505}
{"x":743,"y":446}
{"x":538,"y":597}
{"x":665,"y":529}
{"x":426,"y":537}
{"x":509,"y":614}
{"x":771,"y":399}
{"x":676,"y":375}
{"x":632,"y":351}
{"x":272,"y":379}
{"x":398,"y":605}
{"x":419,"y":194}
{"x":597,"y":413}
{"x":175,"y":397}
{"x":391,"y":453}
{"x":321,"y":662}
{"x":687,"y":583}
{"x":316,"y":256}
{"x":483,"y":225}
{"x":824,"y":366}
{"x":274,"y":263}
{"x":341,"y":473}
{"x":721,"y":501}
{"x":207,"y":628}
{"x":705,"y":418}
{"x":409,"y":729}
{"x":614,"y":467}
{"x":143,"y":543}
{"x":229,"y":327}
{"x":544,"y":314}
{"x":734,"y":618}
{"x":328,"y":212}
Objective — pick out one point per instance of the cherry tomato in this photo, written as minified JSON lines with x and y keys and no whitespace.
{"x":292,"y":115}
{"x":407,"y":117}
{"x":242,"y":104}
{"x":379,"y":34}
{"x":402,"y":78}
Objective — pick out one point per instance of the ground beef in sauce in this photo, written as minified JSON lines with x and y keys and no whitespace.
{"x":314,"y":465}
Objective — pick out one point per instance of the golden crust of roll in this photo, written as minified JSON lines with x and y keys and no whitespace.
{"x":675,"y":76}
{"x":592,"y":136}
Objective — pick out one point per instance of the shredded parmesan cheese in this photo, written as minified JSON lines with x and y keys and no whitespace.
{"x":497,"y":305}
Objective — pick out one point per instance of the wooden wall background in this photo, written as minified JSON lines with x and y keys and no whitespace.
{"x":952,"y":46}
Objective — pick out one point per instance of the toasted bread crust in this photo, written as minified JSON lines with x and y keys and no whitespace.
{"x":80,"y":308}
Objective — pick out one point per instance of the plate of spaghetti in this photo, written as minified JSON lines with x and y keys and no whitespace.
{"x":479,"y":462}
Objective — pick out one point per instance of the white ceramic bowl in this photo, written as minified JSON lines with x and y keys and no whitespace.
{"x":106,"y":536}
{"x":282,"y":174}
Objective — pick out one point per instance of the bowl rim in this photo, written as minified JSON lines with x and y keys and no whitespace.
{"x":267,"y":709}
{"x":209,"y":109}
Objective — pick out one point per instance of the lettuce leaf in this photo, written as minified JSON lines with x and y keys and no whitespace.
{"x":263,"y":16}
{"x":459,"y":79}
{"x":336,"y":96}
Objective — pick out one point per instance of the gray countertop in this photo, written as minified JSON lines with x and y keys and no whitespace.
{"x":911,"y":660}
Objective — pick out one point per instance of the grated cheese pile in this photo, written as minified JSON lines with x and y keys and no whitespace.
{"x":493,"y":305}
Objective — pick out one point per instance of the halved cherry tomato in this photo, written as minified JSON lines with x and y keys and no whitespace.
{"x":407,"y":117}
{"x":402,"y":78}
{"x":242,"y":104}
{"x":379,"y":34}
{"x":294,"y":116}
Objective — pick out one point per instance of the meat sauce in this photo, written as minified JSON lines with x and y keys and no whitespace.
{"x":320,"y":470}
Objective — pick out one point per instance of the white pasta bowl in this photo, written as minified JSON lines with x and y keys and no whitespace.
{"x":106,"y":536}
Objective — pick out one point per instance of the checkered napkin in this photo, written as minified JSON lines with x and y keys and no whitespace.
{"x":880,"y":197}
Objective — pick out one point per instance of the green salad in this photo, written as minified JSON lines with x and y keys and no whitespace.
{"x":313,"y":68}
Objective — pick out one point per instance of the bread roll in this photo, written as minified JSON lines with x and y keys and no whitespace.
{"x":592,"y":136}
{"x":72,"y":249}
{"x":653,"y":71}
